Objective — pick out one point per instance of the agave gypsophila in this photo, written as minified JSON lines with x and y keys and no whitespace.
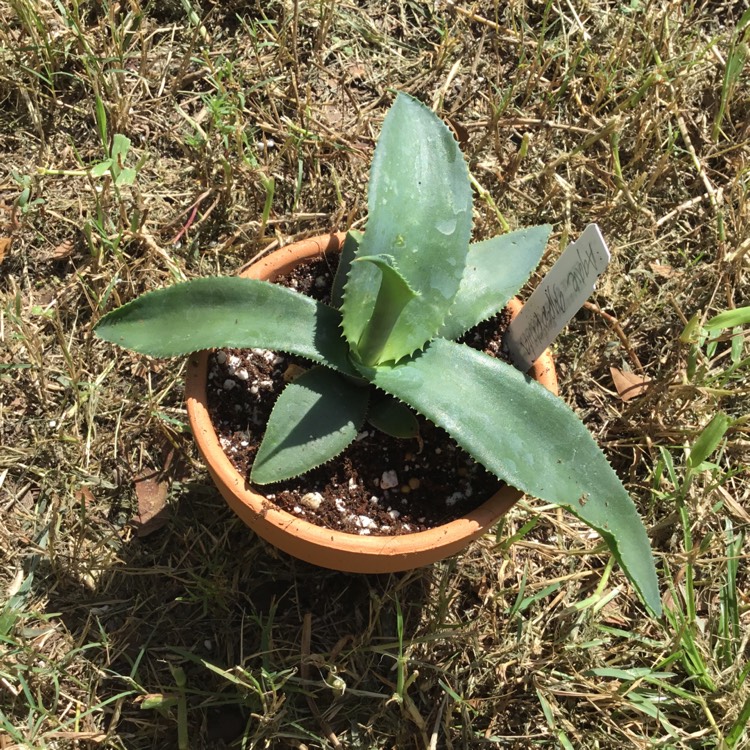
{"x":405,"y":290}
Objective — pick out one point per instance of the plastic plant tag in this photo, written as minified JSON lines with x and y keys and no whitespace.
{"x":558,"y":297}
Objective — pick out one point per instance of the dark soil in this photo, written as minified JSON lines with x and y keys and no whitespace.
{"x":380,"y":485}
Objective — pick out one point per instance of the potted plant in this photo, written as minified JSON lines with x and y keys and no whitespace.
{"x":404,"y":291}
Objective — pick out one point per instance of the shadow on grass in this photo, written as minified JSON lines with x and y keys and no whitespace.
{"x":203,"y":625}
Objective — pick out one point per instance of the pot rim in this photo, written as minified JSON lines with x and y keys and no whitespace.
{"x":256,"y":509}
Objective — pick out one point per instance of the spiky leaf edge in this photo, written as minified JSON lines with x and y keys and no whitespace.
{"x":403,"y":227}
{"x":344,"y":406}
{"x":426,"y":383}
{"x":347,"y":255}
{"x":394,"y":294}
{"x":486,"y":285}
{"x":217,"y":312}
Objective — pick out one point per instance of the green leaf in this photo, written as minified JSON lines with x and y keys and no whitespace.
{"x":691,"y":333}
{"x":390,"y":416}
{"x":393,"y":295}
{"x":315,"y":418}
{"x":158,"y":701}
{"x":738,"y":53}
{"x":529,"y":438}
{"x":708,"y":441}
{"x":228,"y":311}
{"x":120,"y":148}
{"x":125,"y":177}
{"x":348,"y":252}
{"x":728,"y":319}
{"x":495,"y":270}
{"x":420,"y":213}
{"x":740,"y":725}
{"x":101,"y":118}
{"x":99,"y":170}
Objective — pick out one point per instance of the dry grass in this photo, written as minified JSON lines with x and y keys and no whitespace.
{"x":252,"y":123}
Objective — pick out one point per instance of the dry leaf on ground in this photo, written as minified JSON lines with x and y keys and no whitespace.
{"x":151,"y":493}
{"x":460,"y":131}
{"x":357,"y":72}
{"x":85,"y":496}
{"x":628,"y":384}
{"x":666,"y":272}
{"x":5,"y":243}
{"x":733,"y":506}
{"x":63,"y":250}
{"x":141,"y":367}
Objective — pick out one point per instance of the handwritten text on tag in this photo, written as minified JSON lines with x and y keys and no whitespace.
{"x":558,"y":297}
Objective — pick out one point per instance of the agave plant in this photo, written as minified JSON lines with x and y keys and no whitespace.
{"x":385,"y":347}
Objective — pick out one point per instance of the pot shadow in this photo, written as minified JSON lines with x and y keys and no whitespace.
{"x":260,"y":645}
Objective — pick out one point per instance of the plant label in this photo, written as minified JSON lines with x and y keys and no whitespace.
{"x":558,"y":297}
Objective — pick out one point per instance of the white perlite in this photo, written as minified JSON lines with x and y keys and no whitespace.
{"x":454,"y":498}
{"x":388,"y":480}
{"x":312,"y":500}
{"x":365,"y":522}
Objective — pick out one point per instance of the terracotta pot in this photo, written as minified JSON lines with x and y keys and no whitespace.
{"x":325,"y":547}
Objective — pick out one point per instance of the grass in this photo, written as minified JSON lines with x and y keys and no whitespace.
{"x":251,"y":124}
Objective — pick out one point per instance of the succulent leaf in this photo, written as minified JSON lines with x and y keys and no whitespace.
{"x":529,"y":438}
{"x":495,"y":270}
{"x":420,"y":213}
{"x":390,"y":416}
{"x":393,"y":295}
{"x":348,"y":252}
{"x":227,"y":311}
{"x":315,"y":418}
